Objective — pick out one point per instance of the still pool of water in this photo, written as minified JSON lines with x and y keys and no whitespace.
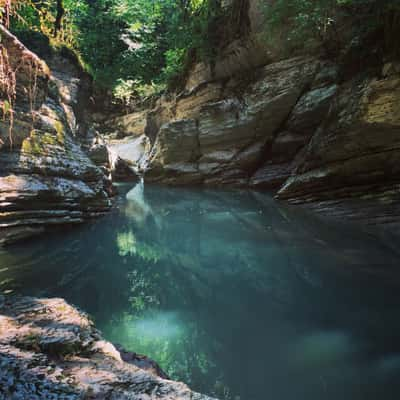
{"x":231,"y":292}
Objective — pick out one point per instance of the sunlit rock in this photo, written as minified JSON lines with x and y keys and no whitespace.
{"x":50,"y":349}
{"x":46,"y":177}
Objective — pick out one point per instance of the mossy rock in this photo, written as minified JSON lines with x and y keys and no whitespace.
{"x":38,"y":142}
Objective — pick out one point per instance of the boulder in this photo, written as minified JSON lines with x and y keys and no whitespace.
{"x":175,"y":153}
{"x":98,"y":153}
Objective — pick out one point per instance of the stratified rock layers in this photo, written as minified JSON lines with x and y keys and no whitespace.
{"x":294,"y":127}
{"x":354,"y":154}
{"x":317,"y":130}
{"x":224,"y":139}
{"x":45,"y":177}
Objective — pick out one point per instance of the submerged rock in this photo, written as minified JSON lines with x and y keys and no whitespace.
{"x":51,"y":350}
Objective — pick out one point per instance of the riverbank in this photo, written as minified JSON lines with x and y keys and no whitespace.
{"x":51,"y":350}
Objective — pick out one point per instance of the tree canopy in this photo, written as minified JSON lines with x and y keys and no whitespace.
{"x":148,"y":44}
{"x":142,"y":42}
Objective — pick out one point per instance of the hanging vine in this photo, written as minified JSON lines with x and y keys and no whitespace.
{"x":8,"y":74}
{"x":8,"y":90}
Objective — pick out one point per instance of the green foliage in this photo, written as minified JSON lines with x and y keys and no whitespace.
{"x":301,"y":20}
{"x":136,"y":47}
{"x":174,"y":64}
{"x":127,"y":91}
{"x":140,"y":41}
{"x":304,"y":21}
{"x":157,"y":37}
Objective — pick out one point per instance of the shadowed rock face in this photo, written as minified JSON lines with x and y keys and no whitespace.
{"x":49,"y":350}
{"x":354,"y":154}
{"x":45,"y":176}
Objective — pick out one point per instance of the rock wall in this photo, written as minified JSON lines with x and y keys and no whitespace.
{"x":46,"y":178}
{"x":223,"y":138}
{"x":51,"y":350}
{"x":353,"y":157}
{"x":317,"y":131}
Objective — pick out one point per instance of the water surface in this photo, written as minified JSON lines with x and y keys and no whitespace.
{"x":238,"y":296}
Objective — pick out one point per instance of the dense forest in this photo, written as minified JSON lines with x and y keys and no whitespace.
{"x":141,"y":47}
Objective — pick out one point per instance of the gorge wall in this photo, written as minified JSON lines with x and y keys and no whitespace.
{"x":317,"y":130}
{"x":46,"y":178}
{"x":314,"y":129}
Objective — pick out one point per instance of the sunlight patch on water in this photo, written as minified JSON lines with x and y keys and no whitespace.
{"x":148,"y":331}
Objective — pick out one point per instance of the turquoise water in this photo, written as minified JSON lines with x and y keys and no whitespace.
{"x":231,"y":292}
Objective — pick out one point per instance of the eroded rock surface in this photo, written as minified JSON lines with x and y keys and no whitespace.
{"x":50,"y":350}
{"x":354,"y":155}
{"x":45,"y":176}
{"x":317,"y":130}
{"x":222,"y":140}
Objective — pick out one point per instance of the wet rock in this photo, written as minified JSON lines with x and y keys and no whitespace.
{"x":51,"y":350}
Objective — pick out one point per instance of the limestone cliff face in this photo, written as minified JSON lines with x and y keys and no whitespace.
{"x":223,"y":139}
{"x":45,"y":176}
{"x":316,"y":131}
{"x":354,"y":154}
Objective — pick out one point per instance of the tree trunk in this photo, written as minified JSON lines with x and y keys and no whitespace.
{"x":59,"y":17}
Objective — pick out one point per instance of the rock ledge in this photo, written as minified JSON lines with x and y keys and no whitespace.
{"x":51,"y":350}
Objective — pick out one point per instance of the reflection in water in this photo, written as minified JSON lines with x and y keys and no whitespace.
{"x":159,"y":325}
{"x":322,"y":349}
{"x":231,"y":292}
